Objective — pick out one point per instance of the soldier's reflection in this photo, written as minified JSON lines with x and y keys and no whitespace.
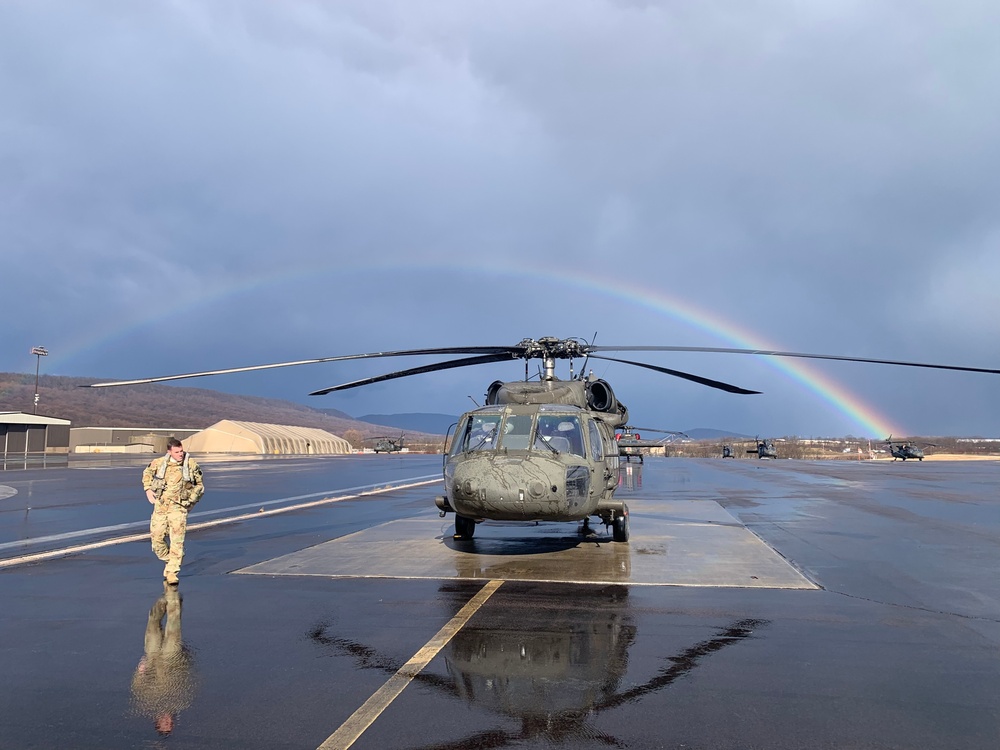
{"x":630,"y":477}
{"x":164,"y":682}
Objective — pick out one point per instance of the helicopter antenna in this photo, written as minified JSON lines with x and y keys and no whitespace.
{"x":586,"y":359}
{"x":474,"y":401}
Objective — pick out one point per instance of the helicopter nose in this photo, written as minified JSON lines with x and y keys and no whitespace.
{"x":511,"y":489}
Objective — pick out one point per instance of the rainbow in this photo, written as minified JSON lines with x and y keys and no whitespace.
{"x":865,"y":417}
{"x":848,"y":404}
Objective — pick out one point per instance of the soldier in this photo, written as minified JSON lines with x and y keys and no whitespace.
{"x":164,"y":682}
{"x":173,"y":485}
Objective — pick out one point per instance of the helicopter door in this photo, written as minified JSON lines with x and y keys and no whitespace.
{"x":596,"y":446}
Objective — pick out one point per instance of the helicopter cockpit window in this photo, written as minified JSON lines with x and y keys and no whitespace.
{"x":561,"y":432}
{"x":596,"y":447}
{"x":516,"y":432}
{"x":483,"y":432}
{"x":478,"y":432}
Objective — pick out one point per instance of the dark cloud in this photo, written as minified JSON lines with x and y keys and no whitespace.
{"x":189,"y":186}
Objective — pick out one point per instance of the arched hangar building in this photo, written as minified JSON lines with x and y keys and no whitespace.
{"x":231,"y":436}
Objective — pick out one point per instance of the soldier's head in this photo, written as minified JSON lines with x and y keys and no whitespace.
{"x":175,"y":449}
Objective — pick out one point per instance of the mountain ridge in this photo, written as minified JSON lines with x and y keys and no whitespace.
{"x":154,"y":404}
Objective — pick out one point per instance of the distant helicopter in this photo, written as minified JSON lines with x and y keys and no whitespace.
{"x":387,"y":444}
{"x":630,"y":442}
{"x":765,"y":448}
{"x":542,"y":450}
{"x":904,"y":450}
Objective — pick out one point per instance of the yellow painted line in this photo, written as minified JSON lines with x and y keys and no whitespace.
{"x":365,"y":716}
{"x":64,"y":551}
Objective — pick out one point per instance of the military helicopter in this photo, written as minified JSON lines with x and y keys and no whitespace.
{"x":764,"y":449}
{"x":904,"y":450}
{"x":630,"y":442}
{"x":537,"y":450}
{"x":387,"y":444}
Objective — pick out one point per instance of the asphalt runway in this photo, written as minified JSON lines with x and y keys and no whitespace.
{"x":324,"y":604}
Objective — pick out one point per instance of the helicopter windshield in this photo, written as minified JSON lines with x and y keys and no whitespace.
{"x":478,"y":433}
{"x":516,"y":432}
{"x":559,"y":432}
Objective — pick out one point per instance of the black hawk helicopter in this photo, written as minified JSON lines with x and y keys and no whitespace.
{"x":387,"y":444}
{"x":630,"y":442}
{"x":540,"y":450}
{"x":904,"y":450}
{"x":764,"y":448}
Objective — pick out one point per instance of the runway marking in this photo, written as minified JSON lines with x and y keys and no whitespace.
{"x":48,"y":555}
{"x":201,"y":514}
{"x":349,"y":732}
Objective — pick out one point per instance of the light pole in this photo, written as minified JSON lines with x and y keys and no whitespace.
{"x":39,"y":352}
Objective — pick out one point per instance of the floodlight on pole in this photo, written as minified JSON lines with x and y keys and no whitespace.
{"x":39,"y":352}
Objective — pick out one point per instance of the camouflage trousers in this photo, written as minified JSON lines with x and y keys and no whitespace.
{"x":168,"y":521}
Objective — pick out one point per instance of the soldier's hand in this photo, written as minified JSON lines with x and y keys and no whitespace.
{"x":151,"y":497}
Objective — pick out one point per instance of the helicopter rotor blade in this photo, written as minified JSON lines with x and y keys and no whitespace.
{"x":729,"y":388}
{"x":666,"y":432}
{"x":508,"y":352}
{"x":772,"y":353}
{"x":450,"y":364}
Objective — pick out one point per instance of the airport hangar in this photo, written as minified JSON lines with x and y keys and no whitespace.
{"x":23,"y":435}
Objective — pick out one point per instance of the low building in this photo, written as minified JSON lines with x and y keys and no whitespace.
{"x":23,"y":435}
{"x":231,"y":436}
{"x":124,"y":439}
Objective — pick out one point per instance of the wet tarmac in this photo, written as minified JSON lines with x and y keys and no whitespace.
{"x":777,"y":604}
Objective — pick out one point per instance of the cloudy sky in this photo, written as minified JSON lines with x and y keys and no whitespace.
{"x":195,"y":185}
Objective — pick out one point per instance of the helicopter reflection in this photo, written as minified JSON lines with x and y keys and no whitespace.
{"x":553,"y":670}
{"x":552,"y":675}
{"x":164,"y":682}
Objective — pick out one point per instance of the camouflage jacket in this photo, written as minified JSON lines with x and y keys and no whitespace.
{"x":172,"y":482}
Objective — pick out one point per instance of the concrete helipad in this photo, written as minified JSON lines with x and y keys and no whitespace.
{"x":673,"y":543}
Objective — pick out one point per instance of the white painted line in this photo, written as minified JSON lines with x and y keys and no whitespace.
{"x":39,"y":556}
{"x":365,"y":716}
{"x":22,"y":543}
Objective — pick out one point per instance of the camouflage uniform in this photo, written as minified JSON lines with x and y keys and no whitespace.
{"x":164,"y":683}
{"x":177,"y":487}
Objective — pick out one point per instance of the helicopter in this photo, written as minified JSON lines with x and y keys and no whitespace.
{"x":765,"y":448}
{"x":387,"y":444}
{"x":903,"y":450}
{"x":537,"y":450}
{"x":630,"y":442}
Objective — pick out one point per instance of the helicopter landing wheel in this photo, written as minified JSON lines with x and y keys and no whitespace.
{"x":619,"y":527}
{"x":464,"y":527}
